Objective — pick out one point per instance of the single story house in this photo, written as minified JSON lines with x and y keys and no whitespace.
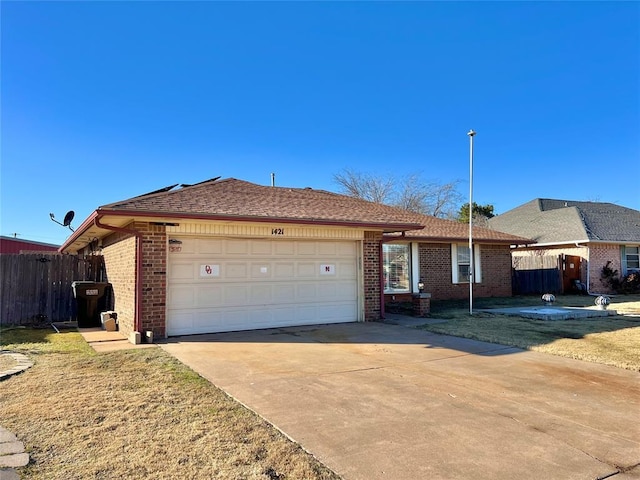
{"x":225,"y":255}
{"x":583,"y":235}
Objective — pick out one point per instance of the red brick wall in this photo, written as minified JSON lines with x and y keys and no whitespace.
{"x":435,"y":270}
{"x":119,"y":253}
{"x":154,"y":277}
{"x":372,"y":269}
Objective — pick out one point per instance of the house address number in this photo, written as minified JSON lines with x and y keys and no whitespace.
{"x":277,"y":231}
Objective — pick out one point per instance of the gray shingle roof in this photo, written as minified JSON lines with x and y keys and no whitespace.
{"x":559,"y":221}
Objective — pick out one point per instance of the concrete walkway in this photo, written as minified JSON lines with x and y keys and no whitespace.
{"x":12,"y":454}
{"x":374,"y":401}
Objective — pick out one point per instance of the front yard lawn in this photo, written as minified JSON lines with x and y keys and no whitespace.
{"x":135,"y":414}
{"x":613,"y":340}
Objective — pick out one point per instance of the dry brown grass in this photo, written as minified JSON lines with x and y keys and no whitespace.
{"x":7,"y":362}
{"x":613,"y":340}
{"x":135,"y":414}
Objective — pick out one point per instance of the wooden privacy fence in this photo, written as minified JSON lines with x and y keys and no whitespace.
{"x":36,"y":287}
{"x":537,"y":274}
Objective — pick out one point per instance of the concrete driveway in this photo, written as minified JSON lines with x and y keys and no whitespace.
{"x":374,"y":401}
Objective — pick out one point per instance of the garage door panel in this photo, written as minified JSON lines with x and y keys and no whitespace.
{"x":306,"y":292}
{"x":347,"y":249}
{"x":260,"y":271}
{"x":181,"y":296}
{"x":284,"y":270}
{"x":327,"y":291}
{"x":261,"y":247}
{"x":236,"y":247}
{"x":307,"y":270}
{"x":209,"y":295}
{"x":187,"y":245}
{"x":235,"y":294}
{"x":284,"y":248}
{"x":261,"y":283}
{"x":307,"y":248}
{"x":347,"y":270}
{"x":212,"y":246}
{"x":236,"y":271}
{"x":327,"y":248}
{"x":182,"y":271}
{"x":261,"y":294}
{"x":284,"y":293}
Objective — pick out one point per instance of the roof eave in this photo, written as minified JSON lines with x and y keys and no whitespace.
{"x":441,"y":239}
{"x":100,"y":212}
{"x":387,"y":227}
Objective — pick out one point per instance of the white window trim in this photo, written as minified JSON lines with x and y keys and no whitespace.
{"x":416,"y":275}
{"x":625,"y":260}
{"x":477,"y":267}
{"x":410,"y":264}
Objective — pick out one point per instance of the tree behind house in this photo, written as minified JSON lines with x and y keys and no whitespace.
{"x":411,"y":192}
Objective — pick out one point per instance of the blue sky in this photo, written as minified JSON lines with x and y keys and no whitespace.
{"x":102,"y":101}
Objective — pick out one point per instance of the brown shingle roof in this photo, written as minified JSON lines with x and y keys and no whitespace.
{"x":240,"y":200}
{"x":441,"y":229}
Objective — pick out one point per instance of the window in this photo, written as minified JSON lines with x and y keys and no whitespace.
{"x":631,"y":259}
{"x":397,"y":267}
{"x":461,"y":263}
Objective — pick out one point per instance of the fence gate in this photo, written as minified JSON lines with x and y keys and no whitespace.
{"x":537,"y":274}
{"x":37,"y":286}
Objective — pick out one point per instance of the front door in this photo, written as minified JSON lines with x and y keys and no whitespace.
{"x":570,"y":272}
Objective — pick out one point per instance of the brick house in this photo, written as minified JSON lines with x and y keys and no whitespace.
{"x":583,"y":235}
{"x":225,"y":255}
{"x":439,"y":258}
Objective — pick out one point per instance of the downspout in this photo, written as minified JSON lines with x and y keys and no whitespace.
{"x":380,"y":265}
{"x":588,"y":267}
{"x":138,"y":299}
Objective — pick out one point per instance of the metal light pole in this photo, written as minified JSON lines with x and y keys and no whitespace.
{"x":471,"y":266}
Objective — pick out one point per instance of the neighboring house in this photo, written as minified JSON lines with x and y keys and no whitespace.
{"x":583,"y":235}
{"x":18,"y":245}
{"x":226,"y":255}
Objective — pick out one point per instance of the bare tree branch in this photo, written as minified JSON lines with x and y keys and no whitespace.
{"x":410,"y":192}
{"x":365,"y":186}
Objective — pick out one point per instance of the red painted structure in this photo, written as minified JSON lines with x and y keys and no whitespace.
{"x":17,"y":245}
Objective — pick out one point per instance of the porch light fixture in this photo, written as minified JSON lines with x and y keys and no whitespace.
{"x":421,"y":286}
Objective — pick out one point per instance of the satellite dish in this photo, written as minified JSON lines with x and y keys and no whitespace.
{"x":68,"y":218}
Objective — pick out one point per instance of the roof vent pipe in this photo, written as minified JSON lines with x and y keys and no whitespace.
{"x":273,"y":179}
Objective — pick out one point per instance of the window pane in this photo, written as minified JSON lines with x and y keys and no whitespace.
{"x":396,"y":264}
{"x":633,"y":257}
{"x":463,"y":255}
{"x":463,"y":273}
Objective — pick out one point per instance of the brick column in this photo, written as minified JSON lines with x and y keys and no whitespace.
{"x":421,"y":304}
{"x":154,"y":278}
{"x":372,"y":271}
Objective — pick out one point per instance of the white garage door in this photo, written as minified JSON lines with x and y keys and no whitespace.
{"x":223,"y":284}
